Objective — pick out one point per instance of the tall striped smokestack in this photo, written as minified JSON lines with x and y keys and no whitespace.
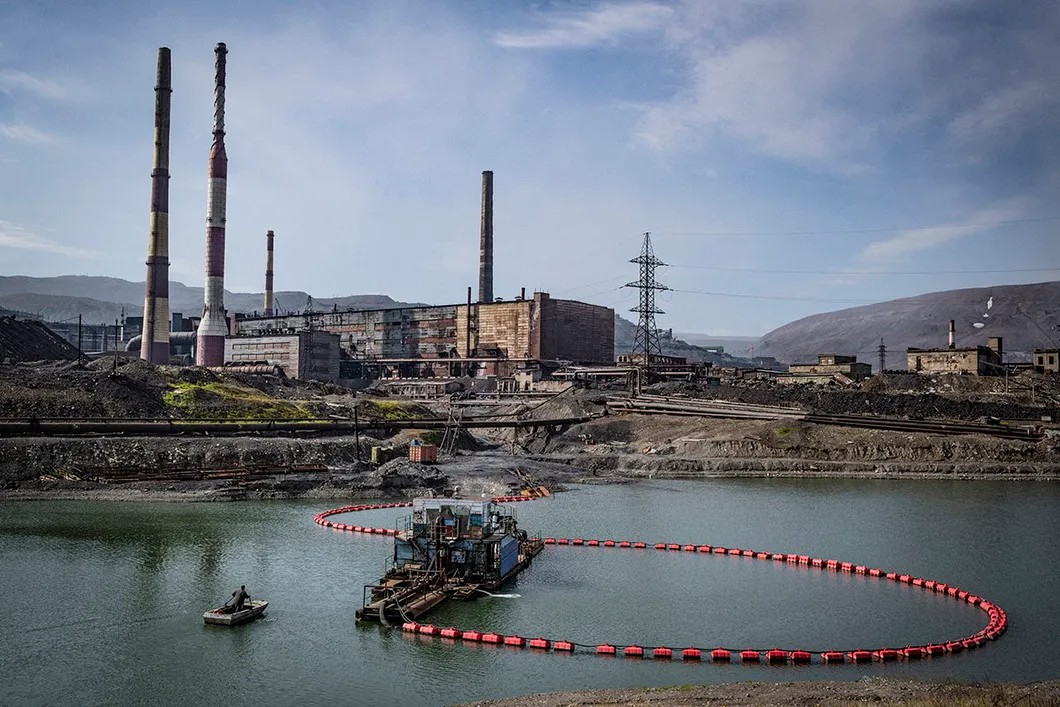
{"x":485,"y":252}
{"x":154,"y":341}
{"x":268,"y":273}
{"x":953,"y":333}
{"x":212,"y":329}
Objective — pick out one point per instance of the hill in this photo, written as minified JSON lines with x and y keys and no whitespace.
{"x":1026,"y":316}
{"x":103,"y":299}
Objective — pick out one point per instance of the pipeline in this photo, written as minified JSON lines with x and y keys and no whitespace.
{"x":998,"y":619}
{"x":176,"y":338}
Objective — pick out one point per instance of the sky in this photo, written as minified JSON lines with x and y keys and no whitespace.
{"x":788,"y":158}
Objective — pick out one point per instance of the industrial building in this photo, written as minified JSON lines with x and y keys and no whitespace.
{"x":829,"y":368}
{"x":307,"y":355}
{"x":484,"y":338}
{"x":1047,"y":360}
{"x":488,"y":337}
{"x":975,"y":360}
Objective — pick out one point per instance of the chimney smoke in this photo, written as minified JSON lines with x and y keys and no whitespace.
{"x":268,"y":273}
{"x":485,"y":256}
{"x":154,"y":338}
{"x":213,"y":328}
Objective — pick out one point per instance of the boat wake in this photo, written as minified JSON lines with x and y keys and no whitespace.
{"x":500,"y":596}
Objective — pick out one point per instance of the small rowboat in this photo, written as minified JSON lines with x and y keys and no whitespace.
{"x":226,"y":617}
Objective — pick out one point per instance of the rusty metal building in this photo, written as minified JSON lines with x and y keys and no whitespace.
{"x":473,"y":338}
{"x":306,"y":355}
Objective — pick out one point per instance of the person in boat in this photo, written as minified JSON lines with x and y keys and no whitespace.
{"x":239,"y":597}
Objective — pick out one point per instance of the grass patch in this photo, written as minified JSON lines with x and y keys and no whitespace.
{"x":216,"y":400}
{"x":784,"y":431}
{"x":390,"y":410}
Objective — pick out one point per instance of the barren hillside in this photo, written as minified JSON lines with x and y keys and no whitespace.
{"x":1026,"y":316}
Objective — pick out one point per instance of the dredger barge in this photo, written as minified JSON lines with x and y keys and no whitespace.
{"x":449,"y":548}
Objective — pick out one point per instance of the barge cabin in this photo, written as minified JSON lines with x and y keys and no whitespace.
{"x":448,"y":548}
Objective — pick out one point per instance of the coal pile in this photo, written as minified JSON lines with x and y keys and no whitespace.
{"x":25,"y":340}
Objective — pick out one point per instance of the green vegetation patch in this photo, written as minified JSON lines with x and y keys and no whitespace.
{"x":217,"y":400}
{"x":784,"y":431}
{"x":391,"y":410}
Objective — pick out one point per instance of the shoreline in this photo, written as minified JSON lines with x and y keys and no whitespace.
{"x":877,"y":690}
{"x":324,"y":489}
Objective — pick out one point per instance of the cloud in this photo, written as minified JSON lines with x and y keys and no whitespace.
{"x":913,"y":241}
{"x":12,"y":80}
{"x":795,"y":82}
{"x":994,"y":116}
{"x":20,"y":237}
{"x":26,"y":133}
{"x":589,"y":27}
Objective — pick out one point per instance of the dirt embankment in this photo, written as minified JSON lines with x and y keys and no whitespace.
{"x":879,"y":691}
{"x":664,"y":446}
{"x":953,"y":397}
{"x":607,"y":448}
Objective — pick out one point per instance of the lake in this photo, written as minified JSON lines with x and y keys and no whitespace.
{"x":103,"y":601}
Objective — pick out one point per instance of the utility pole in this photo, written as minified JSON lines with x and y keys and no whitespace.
{"x":883,"y":357}
{"x":647,"y":338}
{"x":80,"y":351}
{"x":115,"y":370}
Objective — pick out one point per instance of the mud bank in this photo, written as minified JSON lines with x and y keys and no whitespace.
{"x":881,"y":691}
{"x":236,"y":469}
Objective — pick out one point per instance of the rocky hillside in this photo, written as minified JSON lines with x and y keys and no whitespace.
{"x":105,"y":298}
{"x":1026,"y":316}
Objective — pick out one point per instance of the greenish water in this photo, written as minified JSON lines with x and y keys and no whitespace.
{"x":103,"y":601}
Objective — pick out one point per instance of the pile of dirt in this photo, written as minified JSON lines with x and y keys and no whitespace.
{"x":71,"y":391}
{"x":26,"y":340}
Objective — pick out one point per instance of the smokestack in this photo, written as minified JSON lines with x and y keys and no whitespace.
{"x":953,"y":332}
{"x":154,"y":342}
{"x":268,"y":273}
{"x":485,"y":253}
{"x":212,"y":329}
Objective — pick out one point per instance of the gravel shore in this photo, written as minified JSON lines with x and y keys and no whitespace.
{"x":879,"y":691}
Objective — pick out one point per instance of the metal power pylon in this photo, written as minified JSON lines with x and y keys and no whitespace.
{"x":647,"y":338}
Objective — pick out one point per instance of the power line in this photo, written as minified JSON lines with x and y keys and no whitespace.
{"x":866,"y":272}
{"x":855,"y":231}
{"x":777,"y":297}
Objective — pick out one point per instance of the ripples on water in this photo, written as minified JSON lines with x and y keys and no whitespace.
{"x":102,"y":601}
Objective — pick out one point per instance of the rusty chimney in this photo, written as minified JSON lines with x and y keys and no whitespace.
{"x":154,"y":341}
{"x":953,"y":333}
{"x":210,"y":350}
{"x":268,"y":273}
{"x":485,"y":253}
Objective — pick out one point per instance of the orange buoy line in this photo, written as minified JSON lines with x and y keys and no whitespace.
{"x":998,"y":619}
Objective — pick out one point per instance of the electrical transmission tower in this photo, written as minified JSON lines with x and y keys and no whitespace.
{"x":647,"y":339}
{"x":882,"y":351}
